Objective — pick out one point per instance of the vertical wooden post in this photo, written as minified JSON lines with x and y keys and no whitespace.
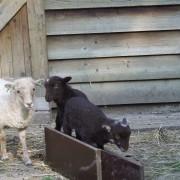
{"x":37,"y":35}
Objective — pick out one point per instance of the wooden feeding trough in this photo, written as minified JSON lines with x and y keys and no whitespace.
{"x":80,"y":161}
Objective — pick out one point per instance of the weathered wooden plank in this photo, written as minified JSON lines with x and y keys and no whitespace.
{"x":112,"y":20}
{"x":117,"y":69}
{"x":37,"y":35}
{"x":71,"y":4}
{"x":17,"y":46}
{"x":112,"y":45}
{"x":26,"y":44}
{"x":8,"y":9}
{"x":6,"y":53}
{"x":83,"y":162}
{"x":87,"y":162}
{"x":131,"y":92}
{"x":119,"y":167}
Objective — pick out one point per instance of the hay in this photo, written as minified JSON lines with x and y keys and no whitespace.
{"x":14,"y":167}
{"x":158,"y":150}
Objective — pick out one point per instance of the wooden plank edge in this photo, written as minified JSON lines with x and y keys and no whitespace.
{"x":7,"y":11}
{"x":37,"y":36}
{"x":92,"y":21}
{"x":131,"y":92}
{"x":117,"y":69}
{"x":71,"y":4}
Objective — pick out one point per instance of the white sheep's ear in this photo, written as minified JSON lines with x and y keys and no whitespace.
{"x":108,"y":128}
{"x":9,"y":87}
{"x":66,"y":79}
{"x":40,"y":82}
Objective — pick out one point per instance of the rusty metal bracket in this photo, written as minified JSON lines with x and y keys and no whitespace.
{"x":80,"y":161}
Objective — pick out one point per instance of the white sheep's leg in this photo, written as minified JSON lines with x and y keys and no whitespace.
{"x":22,"y":137}
{"x":4,"y":155}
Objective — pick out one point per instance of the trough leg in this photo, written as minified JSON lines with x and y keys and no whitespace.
{"x":22,"y":137}
{"x":3,"y":144}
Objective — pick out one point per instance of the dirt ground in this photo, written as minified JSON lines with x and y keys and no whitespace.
{"x":158,"y":149}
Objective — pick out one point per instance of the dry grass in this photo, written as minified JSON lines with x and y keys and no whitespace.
{"x":158,"y":150}
{"x":15,"y":168}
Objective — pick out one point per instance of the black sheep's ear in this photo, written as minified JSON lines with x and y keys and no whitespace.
{"x":66,"y":79}
{"x":124,"y":121}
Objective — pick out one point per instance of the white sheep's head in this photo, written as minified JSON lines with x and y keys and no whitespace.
{"x":24,"y":89}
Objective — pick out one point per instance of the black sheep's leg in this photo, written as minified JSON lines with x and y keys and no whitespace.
{"x":101,"y":146}
{"x":101,"y":138}
{"x":98,"y":141}
{"x":59,"y":120}
{"x":58,"y":124}
{"x":86,"y":136}
{"x":78,"y":136}
{"x":87,"y":140}
{"x":67,"y":130}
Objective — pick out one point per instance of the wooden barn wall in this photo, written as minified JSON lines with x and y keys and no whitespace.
{"x":15,"y":47}
{"x":117,"y":52}
{"x":23,"y":42}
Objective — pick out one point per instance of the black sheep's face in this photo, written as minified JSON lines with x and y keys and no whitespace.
{"x":55,"y":87}
{"x":121,"y":132}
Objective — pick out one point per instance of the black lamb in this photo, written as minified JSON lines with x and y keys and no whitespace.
{"x":92,"y":126}
{"x":59,"y":91}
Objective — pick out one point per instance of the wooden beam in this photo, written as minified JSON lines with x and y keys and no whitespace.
{"x":131,"y":92}
{"x":113,"y":45}
{"x":17,"y":46}
{"x":71,"y":4}
{"x":117,"y":69}
{"x":37,"y":35}
{"x":26,"y":43}
{"x":85,"y":21}
{"x":8,"y":9}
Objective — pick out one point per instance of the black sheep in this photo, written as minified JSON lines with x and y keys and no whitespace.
{"x":59,"y":91}
{"x":92,"y":126}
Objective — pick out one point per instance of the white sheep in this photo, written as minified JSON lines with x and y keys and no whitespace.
{"x":16,"y":111}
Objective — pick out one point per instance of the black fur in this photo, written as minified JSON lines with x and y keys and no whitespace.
{"x":92,"y":125}
{"x":59,"y":91}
